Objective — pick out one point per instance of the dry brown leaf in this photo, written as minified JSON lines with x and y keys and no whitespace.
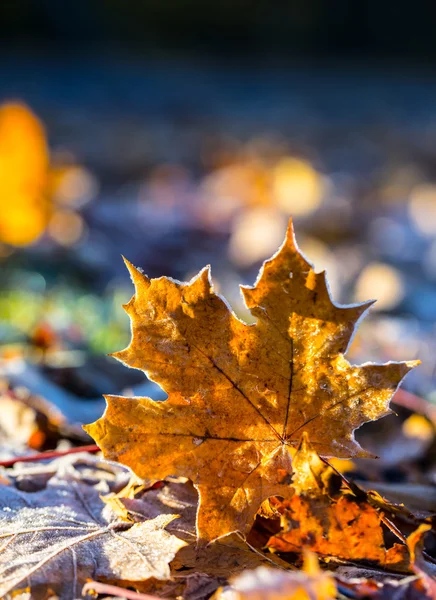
{"x":65,"y":534}
{"x":240,"y":396}
{"x":272,"y":584}
{"x":380,"y":585}
{"x":418,"y":498}
{"x":194,"y":586}
{"x":81,"y":467}
{"x":228,"y":556}
{"x":171,"y":498}
{"x":28,"y":421}
{"x":330,"y":522}
{"x":134,"y":488}
{"x":362,"y":584}
{"x":425,"y":570}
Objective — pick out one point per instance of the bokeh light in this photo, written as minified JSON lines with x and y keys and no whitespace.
{"x":66,"y":227}
{"x":382,"y":282}
{"x":297,"y":188}
{"x":256,"y":235}
{"x":422,"y":208}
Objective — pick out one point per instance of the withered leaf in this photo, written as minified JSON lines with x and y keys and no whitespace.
{"x":61,"y":536}
{"x":240,"y":396}
{"x":426,"y":570}
{"x":330,"y":521}
{"x":228,"y":556}
{"x":273,"y":584}
{"x":81,"y":467}
{"x":28,"y":421}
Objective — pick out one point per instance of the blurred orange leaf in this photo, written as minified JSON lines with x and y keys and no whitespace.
{"x":31,"y":188}
{"x":24,"y":164}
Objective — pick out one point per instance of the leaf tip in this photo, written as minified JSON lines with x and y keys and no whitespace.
{"x":206,"y":275}
{"x":362,"y":308}
{"x":408,"y":366}
{"x":87,"y":428}
{"x":117,"y":355}
{"x":290,"y":234}
{"x":136,"y":274}
{"x":202,"y":282}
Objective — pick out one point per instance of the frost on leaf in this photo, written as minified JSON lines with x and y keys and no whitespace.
{"x":57,"y":538}
{"x":240,"y":396}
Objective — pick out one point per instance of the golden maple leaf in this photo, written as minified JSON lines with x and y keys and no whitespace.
{"x":240,"y":396}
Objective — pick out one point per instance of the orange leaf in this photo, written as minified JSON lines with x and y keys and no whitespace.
{"x":24,"y":164}
{"x":240,"y":396}
{"x":331,"y":522}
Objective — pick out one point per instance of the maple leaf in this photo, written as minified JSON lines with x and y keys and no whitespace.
{"x":240,"y":396}
{"x":57,"y":538}
{"x":330,"y":521}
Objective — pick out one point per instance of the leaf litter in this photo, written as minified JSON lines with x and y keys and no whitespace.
{"x":65,"y":534}
{"x":251,"y":415}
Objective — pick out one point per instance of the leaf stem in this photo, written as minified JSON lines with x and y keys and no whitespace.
{"x":415,"y":404}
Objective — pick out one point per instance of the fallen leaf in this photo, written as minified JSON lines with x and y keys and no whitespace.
{"x":24,"y":164}
{"x":425,"y":570}
{"x":28,"y":421}
{"x":134,"y":488}
{"x":240,"y":396}
{"x":194,"y":586}
{"x":272,"y":584}
{"x":81,"y":467}
{"x":418,"y":498}
{"x":382,"y":588}
{"x":61,"y":536}
{"x":228,"y":556}
{"x":325,"y":519}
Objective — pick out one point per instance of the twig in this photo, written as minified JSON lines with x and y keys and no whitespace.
{"x":392,"y":527}
{"x":415,"y":404}
{"x":348,"y":591}
{"x":264,"y":556}
{"x":360,"y":494}
{"x":48,"y":455}
{"x":94,"y":587}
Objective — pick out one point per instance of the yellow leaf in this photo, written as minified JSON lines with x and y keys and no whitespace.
{"x":24,"y":163}
{"x":240,"y":396}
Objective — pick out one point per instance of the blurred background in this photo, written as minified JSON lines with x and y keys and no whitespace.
{"x":185,"y":133}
